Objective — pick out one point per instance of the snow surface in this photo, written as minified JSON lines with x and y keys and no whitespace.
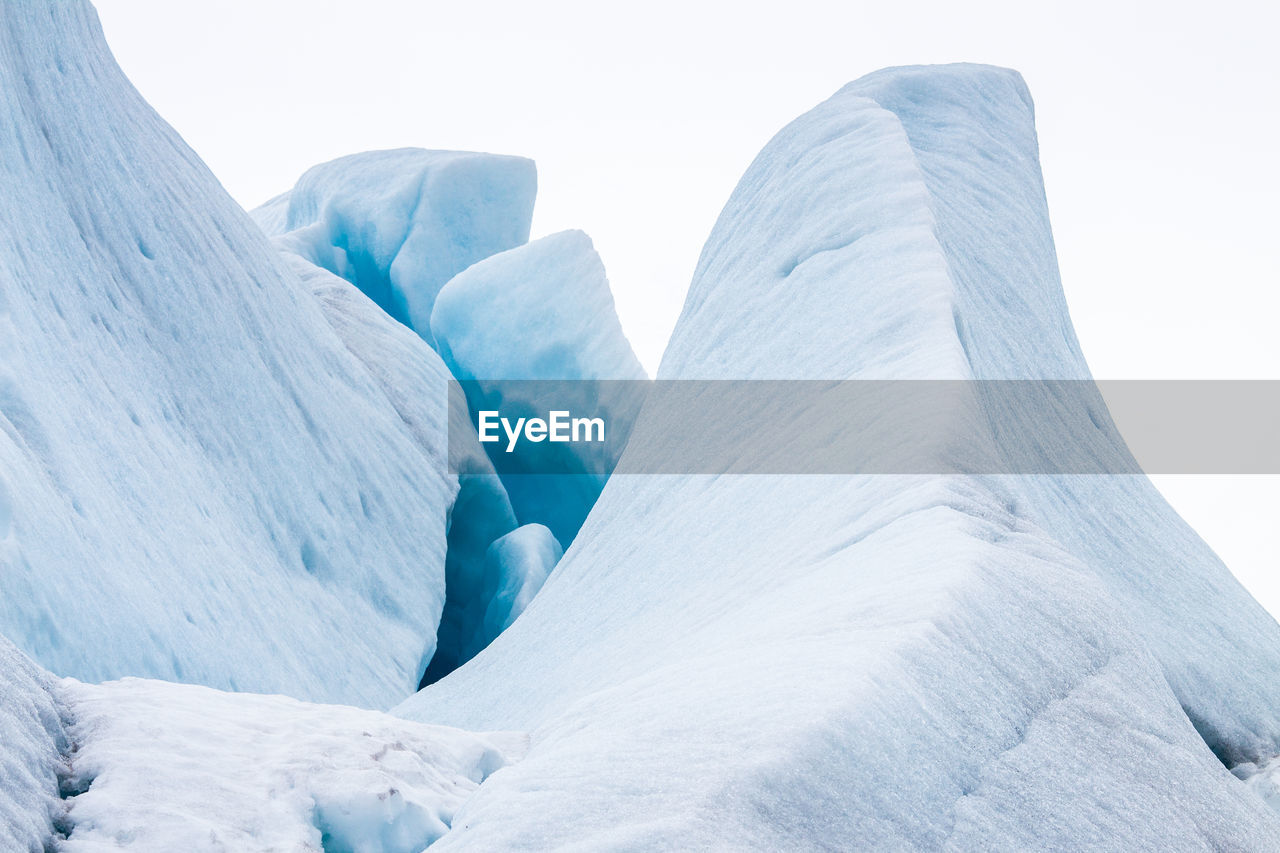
{"x":399,"y":224}
{"x":32,"y":743}
{"x":1264,"y":780}
{"x":199,"y":479}
{"x":877,"y":662}
{"x":542,"y":311}
{"x":166,"y":767}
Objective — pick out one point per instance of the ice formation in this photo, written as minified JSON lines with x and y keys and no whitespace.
{"x":399,"y":224}
{"x":199,"y":479}
{"x":542,"y":311}
{"x":884,"y":662}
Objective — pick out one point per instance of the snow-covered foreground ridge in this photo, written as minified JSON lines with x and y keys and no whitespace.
{"x":880,"y":662}
{"x":224,"y":464}
{"x":153,"y":766}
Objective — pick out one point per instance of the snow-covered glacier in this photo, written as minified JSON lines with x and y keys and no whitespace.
{"x":880,"y":662}
{"x":199,"y":479}
{"x":223,"y":460}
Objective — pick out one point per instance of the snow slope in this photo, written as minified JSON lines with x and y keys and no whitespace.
{"x":542,"y":311}
{"x":876,"y":662}
{"x":1219,"y":649}
{"x":32,"y":743}
{"x":166,"y":767}
{"x":199,"y":479}
{"x":399,"y":224}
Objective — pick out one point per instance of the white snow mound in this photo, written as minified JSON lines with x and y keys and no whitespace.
{"x":165,"y":767}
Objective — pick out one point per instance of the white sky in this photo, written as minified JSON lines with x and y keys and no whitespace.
{"x":1159,"y":129}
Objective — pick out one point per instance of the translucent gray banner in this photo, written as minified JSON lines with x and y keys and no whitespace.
{"x":868,"y":426}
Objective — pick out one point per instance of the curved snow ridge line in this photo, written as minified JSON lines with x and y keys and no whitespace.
{"x":972,"y":132}
{"x":159,"y":766}
{"x":977,"y":295}
{"x":851,"y":159}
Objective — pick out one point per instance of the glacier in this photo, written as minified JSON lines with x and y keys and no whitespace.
{"x":884,"y":662}
{"x":200,"y":480}
{"x":415,"y":382}
{"x":223,"y":461}
{"x":542,"y":311}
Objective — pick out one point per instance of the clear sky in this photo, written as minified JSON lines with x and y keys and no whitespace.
{"x":1159,"y":125}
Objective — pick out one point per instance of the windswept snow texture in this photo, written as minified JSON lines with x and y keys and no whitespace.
{"x":876,"y":662}
{"x":167,"y":767}
{"x":399,"y":224}
{"x":200,"y":480}
{"x":975,"y":145}
{"x":32,"y":742}
{"x":542,"y":311}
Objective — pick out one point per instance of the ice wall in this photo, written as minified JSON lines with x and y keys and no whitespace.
{"x":199,"y":479}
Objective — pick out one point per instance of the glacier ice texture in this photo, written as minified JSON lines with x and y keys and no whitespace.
{"x":414,"y":380}
{"x":880,"y":662}
{"x":223,"y":463}
{"x":200,"y":479}
{"x":399,"y":224}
